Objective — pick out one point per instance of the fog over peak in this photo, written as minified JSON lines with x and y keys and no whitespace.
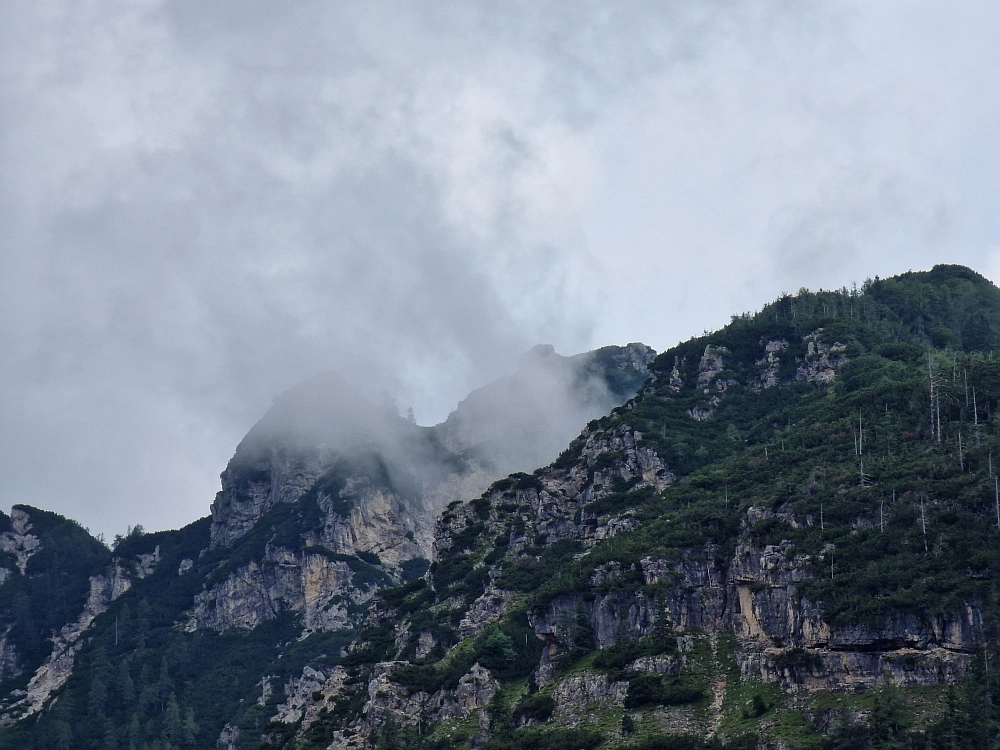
{"x":202,"y":204}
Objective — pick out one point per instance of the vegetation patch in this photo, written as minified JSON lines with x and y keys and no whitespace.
{"x":661,"y":690}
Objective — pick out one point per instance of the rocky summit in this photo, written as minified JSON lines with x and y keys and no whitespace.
{"x":784,"y":534}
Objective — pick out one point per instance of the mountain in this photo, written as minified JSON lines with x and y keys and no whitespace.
{"x":787,"y":536}
{"x":328,"y":498}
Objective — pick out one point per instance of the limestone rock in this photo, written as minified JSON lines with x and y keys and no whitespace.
{"x":19,"y":541}
{"x":489,"y":607}
{"x":854,"y":671}
{"x":676,"y":382}
{"x":248,"y":494}
{"x":145,"y":564}
{"x":769,"y":364}
{"x":710,"y":367}
{"x":331,"y":689}
{"x":298,"y":695}
{"x":229,"y":736}
{"x":701,"y":413}
{"x":379,"y":522}
{"x":580,"y":691}
{"x":10,"y":661}
{"x":475,"y":690}
{"x":313,"y":584}
{"x":659,"y":664}
{"x":822,"y":359}
{"x":58,"y":667}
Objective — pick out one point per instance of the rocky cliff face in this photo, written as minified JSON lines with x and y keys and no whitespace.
{"x":19,"y":541}
{"x":763,"y":535}
{"x":32,"y":534}
{"x":249,"y":491}
{"x":328,"y":499}
{"x":570,"y":553}
{"x":514,"y":424}
{"x":58,"y":667}
{"x":373,"y":484}
{"x":313,"y":585}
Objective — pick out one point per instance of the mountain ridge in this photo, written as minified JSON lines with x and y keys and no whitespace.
{"x":786,"y":538}
{"x":357,"y":470}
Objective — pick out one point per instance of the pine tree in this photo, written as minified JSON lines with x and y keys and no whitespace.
{"x":628,"y":724}
{"x":142,"y":624}
{"x":847,"y":735}
{"x":110,"y":737}
{"x":189,"y":730}
{"x":501,"y":721}
{"x":97,"y":698}
{"x":25,"y":622}
{"x":583,"y":633}
{"x":134,"y":733}
{"x":173,"y":726}
{"x":164,"y":685}
{"x":388,"y":738}
{"x":125,"y":684}
{"x":889,"y":723}
{"x":978,"y":699}
{"x":60,"y":728}
{"x":125,"y":624}
{"x":62,"y":735}
{"x":945,"y":735}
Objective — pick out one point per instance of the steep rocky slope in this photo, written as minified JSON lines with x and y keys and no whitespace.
{"x":788,"y":538}
{"x":327,"y":499}
{"x":738,"y":556}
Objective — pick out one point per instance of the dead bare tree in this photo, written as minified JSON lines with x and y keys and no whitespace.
{"x":996,"y":491}
{"x":975,"y":416}
{"x":923,"y":522}
{"x":935,"y":393}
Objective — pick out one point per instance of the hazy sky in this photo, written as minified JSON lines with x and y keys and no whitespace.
{"x":202,"y":203}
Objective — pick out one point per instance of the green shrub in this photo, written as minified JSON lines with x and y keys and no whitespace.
{"x":652,"y":689}
{"x":617,"y":657}
{"x":538,"y":707}
{"x":415,"y":568}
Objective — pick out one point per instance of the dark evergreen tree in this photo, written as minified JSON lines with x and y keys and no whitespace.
{"x":189,"y":730}
{"x":134,"y":732}
{"x":125,"y":686}
{"x":173,"y":726}
{"x":889,"y":719}
{"x":583,"y":632}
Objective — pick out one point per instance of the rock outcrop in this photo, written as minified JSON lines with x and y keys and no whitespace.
{"x":374,"y":484}
{"x":19,"y":541}
{"x":319,"y":587}
{"x":516,"y":423}
{"x":56,"y":670}
{"x":822,"y":359}
{"x":712,"y":365}
{"x":769,"y":365}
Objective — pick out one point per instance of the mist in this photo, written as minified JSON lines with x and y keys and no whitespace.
{"x":517,"y":423}
{"x":203,"y":204}
{"x":524,"y":420}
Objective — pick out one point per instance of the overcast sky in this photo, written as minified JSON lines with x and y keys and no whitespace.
{"x":202,"y":203}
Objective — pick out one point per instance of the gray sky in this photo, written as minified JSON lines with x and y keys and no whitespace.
{"x":203,"y":203}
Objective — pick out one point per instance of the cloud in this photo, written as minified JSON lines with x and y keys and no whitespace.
{"x":204,"y":203}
